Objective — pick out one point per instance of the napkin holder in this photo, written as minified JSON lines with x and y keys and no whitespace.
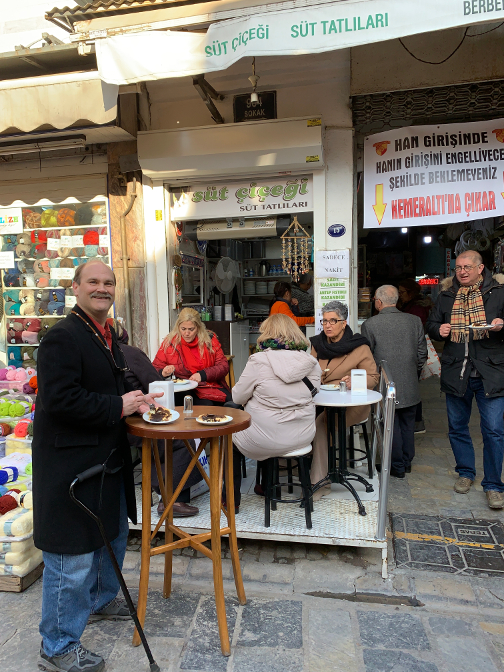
{"x":358,"y":381}
{"x":167,"y":388}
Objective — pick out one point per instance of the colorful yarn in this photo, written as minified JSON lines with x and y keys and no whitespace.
{"x":11,"y":296}
{"x":49,"y":218}
{"x":91,"y":250}
{"x":40,"y":251}
{"x":5,"y":429}
{"x":42,"y":279}
{"x":41,"y":266}
{"x":29,"y":469}
{"x":38,"y":236}
{"x":83,"y":215}
{"x":66,"y":217}
{"x":66,"y":263}
{"x":28,"y":337}
{"x":91,"y":238}
{"x":23,"y":250}
{"x":65,"y":251}
{"x":8,"y":475}
{"x":55,"y":308}
{"x":7,"y":503}
{"x":32,"y":325}
{"x":27,"y":280}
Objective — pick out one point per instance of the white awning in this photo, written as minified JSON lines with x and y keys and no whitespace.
{"x":151,"y":55}
{"x":56,"y":101}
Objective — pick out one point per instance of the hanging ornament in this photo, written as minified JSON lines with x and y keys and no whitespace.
{"x":295,"y":250}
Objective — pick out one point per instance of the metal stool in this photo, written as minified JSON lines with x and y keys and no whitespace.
{"x":367,"y":452}
{"x":273,"y":485}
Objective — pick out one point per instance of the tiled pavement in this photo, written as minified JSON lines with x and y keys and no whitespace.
{"x":310,"y":608}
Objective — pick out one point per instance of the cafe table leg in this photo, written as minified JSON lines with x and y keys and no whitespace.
{"x":169,"y":520}
{"x":215,"y":514}
{"x":233,"y":543}
{"x":146,"y":534}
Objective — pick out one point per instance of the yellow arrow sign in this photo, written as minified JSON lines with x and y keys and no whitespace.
{"x":380,"y":207}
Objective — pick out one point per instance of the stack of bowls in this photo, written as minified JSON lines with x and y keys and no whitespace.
{"x":249,"y":288}
{"x":261,"y":287}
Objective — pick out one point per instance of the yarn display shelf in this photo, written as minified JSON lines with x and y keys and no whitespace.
{"x":28,"y":345}
{"x":17,"y":584}
{"x":38,"y":317}
{"x":77,"y":226}
{"x":48,"y":259}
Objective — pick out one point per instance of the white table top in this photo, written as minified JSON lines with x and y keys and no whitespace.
{"x":190,"y":385}
{"x":336,"y":398}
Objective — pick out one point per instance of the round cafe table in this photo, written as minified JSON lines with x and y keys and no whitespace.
{"x":219,"y":437}
{"x":336,"y":403}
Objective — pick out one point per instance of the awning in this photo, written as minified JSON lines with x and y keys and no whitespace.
{"x":152,"y":55}
{"x":56,"y":101}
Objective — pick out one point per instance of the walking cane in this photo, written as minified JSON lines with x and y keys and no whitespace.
{"x":89,"y":473}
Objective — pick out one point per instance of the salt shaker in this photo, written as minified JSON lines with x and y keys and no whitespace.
{"x":342,"y":386}
{"x":188,"y":404}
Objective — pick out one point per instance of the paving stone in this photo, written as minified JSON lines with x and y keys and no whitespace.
{"x":422,"y":469}
{"x":274,"y":573}
{"x":377,"y":660}
{"x":202,"y":568}
{"x":331,"y":646}
{"x":172,"y":616}
{"x":272,"y":623}
{"x":325,"y":576}
{"x":267,"y":659}
{"x":203,"y":651}
{"x":179,"y":564}
{"x":165,"y":650}
{"x":493,"y":628}
{"x":450,"y":626}
{"x":392,"y":631}
{"x":25,"y":640}
{"x":464,"y":654}
{"x":444,"y":588}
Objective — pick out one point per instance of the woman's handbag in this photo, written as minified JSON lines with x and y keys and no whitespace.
{"x":432,"y":366}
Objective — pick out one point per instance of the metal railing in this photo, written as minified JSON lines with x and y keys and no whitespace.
{"x":383,"y":429}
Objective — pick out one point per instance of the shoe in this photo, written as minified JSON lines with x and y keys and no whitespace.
{"x":160,"y":507}
{"x":495,"y":499}
{"x":463,"y":485}
{"x":393,"y":472}
{"x":420,"y":427}
{"x":79,"y":660}
{"x":237,"y":508}
{"x":259,"y":490}
{"x":408,"y":469}
{"x":183,"y":510}
{"x":117,"y":610}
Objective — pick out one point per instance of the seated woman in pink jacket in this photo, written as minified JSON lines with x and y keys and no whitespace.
{"x":272,"y":390}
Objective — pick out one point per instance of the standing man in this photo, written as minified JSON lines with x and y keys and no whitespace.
{"x":305,"y":300}
{"x":472,"y":365}
{"x":399,"y":339}
{"x":79,"y":422}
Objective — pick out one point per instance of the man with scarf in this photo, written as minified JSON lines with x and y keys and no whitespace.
{"x":399,"y":339}
{"x":472,"y":365}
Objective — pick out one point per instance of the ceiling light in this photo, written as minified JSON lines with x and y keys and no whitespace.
{"x":253,"y":79}
{"x":42,"y":145}
{"x":427,"y":239}
{"x":404,"y":230}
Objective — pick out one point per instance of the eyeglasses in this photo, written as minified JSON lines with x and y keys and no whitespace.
{"x":332,"y":322}
{"x":459,"y":269}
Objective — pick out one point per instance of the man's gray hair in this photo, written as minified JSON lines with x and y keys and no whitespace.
{"x":387,"y":294}
{"x":341,"y":309}
{"x":305,"y":279}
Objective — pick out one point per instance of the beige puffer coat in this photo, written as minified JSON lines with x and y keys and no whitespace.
{"x":271,"y":389}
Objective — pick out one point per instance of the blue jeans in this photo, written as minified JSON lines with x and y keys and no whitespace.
{"x":492,"y":429}
{"x":75,"y":586}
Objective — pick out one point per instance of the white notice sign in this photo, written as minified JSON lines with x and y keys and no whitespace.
{"x":11,"y":220}
{"x":62,"y":273}
{"x":53,"y":244}
{"x":7,"y":259}
{"x":334,"y":264}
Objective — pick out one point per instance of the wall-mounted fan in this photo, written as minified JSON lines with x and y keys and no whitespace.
{"x":226,"y":273}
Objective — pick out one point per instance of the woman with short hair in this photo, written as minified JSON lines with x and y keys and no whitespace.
{"x":192,"y":352}
{"x":338,"y":351}
{"x":281,"y":304}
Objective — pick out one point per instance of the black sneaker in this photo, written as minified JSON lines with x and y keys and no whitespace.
{"x":420,"y":427}
{"x":117,"y":610}
{"x":78,"y":660}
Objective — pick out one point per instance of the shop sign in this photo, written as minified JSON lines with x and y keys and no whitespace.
{"x":335,"y":264}
{"x":273,"y":196}
{"x":427,"y":282}
{"x":151,"y":55}
{"x":332,"y":289}
{"x":424,"y":175}
{"x":245,"y":110}
{"x":11,"y":221}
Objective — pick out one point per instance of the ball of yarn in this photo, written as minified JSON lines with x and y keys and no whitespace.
{"x":7,"y":503}
{"x":65,"y":251}
{"x":32,"y":220}
{"x":83,"y":215}
{"x":4,"y":407}
{"x":8,"y":475}
{"x":25,"y":266}
{"x":41,"y":266}
{"x":49,"y":218}
{"x":30,"y":371}
{"x":3,"y":374}
{"x":20,"y":375}
{"x":66,"y":217}
{"x":21,"y":429}
{"x":91,"y":237}
{"x":5,"y":429}
{"x":30,"y":430}
{"x":66,"y":263}
{"x":11,"y":279}
{"x":40,"y":251}
{"x":23,"y":250}
{"x":24,"y":499}
{"x":27,"y":280}
{"x":42,"y":279}
{"x":27,"y":389}
{"x":32,"y":325}
{"x":18,"y":409}
{"x":39,"y":236}
{"x":91,"y":250}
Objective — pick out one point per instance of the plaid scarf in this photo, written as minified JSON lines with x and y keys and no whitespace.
{"x":468,"y":308}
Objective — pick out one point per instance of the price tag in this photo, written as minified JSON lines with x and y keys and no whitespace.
{"x":53,"y":244}
{"x":66,"y":241}
{"x":70,"y":301}
{"x":104,"y":241}
{"x":77,"y":241}
{"x":62,"y":273}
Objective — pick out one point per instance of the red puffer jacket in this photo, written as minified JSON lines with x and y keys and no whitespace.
{"x":212,"y":366}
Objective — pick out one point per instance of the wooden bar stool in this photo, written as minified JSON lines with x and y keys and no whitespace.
{"x":230,"y":378}
{"x":221,"y":456}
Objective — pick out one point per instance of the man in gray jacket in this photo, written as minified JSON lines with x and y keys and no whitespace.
{"x":399,"y":339}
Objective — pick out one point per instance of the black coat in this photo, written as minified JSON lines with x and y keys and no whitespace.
{"x":487,"y":354}
{"x":77,"y":425}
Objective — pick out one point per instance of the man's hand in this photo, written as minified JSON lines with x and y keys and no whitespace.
{"x":497,"y":324}
{"x":196,"y":377}
{"x":149,"y":399}
{"x":167,"y":371}
{"x":295,"y":302}
{"x":348,"y":381}
{"x":132,"y":402}
{"x":444,"y":330}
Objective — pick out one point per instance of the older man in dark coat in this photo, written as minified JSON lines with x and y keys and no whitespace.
{"x":399,"y":339}
{"x":79,"y":422}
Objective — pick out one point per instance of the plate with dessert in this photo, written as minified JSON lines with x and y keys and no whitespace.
{"x":160,"y":416}
{"x":180,"y":381}
{"x":330,"y":387}
{"x":213,"y":419}
{"x":480,"y":326}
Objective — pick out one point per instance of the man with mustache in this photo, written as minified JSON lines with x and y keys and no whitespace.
{"x":82,"y":401}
